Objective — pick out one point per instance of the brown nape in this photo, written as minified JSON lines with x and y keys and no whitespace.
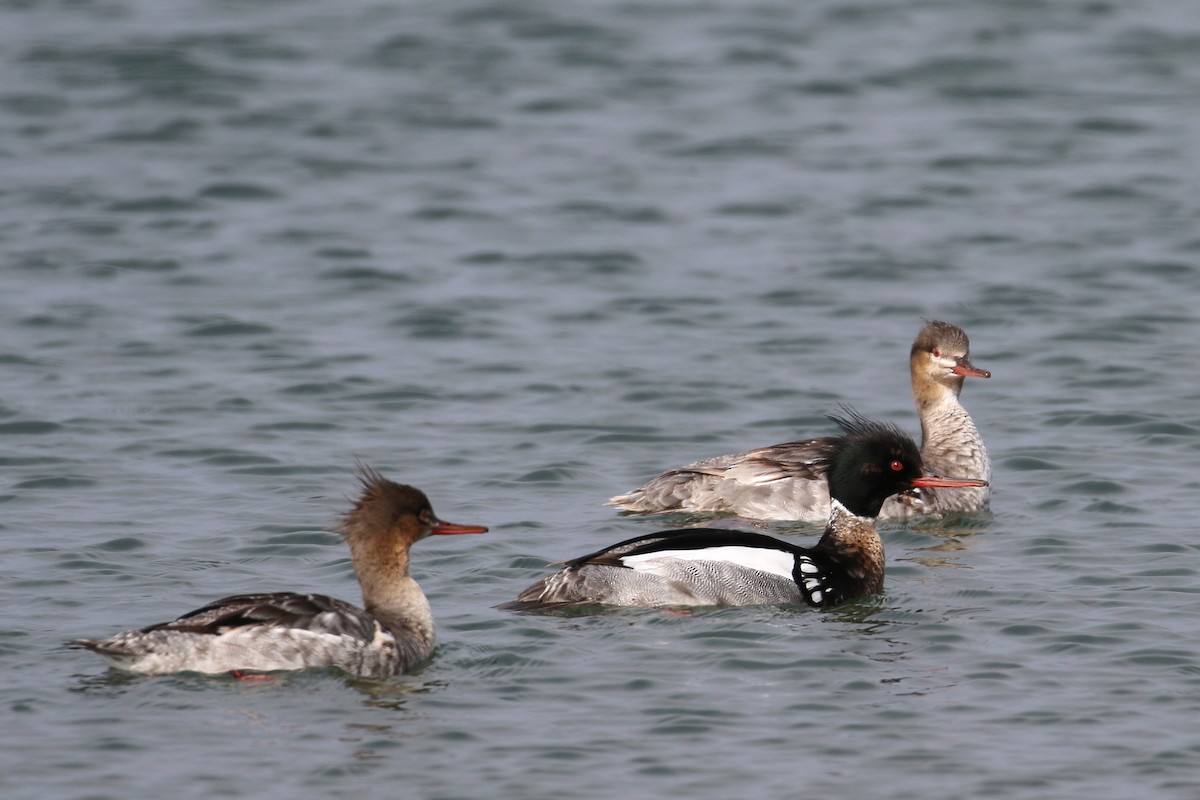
{"x":381,"y":504}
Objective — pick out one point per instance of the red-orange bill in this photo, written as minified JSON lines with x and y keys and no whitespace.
{"x":969,"y":370}
{"x":449,"y":528}
{"x":938,"y":482}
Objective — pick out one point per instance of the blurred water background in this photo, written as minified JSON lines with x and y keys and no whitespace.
{"x":525,"y":255}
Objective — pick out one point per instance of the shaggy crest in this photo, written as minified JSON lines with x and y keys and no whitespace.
{"x":871,"y":462}
{"x":856,"y":426}
{"x":381,"y":504}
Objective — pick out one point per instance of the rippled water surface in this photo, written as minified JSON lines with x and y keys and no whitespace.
{"x":525,"y":255}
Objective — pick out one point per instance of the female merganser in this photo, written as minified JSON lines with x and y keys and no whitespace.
{"x":285,"y":630}
{"x":787,"y":481}
{"x":708,"y":566}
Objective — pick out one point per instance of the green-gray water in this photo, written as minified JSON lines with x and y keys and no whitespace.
{"x":524,"y":256}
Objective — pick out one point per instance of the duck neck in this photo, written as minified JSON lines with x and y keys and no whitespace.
{"x":950,"y":442}
{"x":407,"y":615}
{"x":851,"y":542}
{"x":389,"y":593}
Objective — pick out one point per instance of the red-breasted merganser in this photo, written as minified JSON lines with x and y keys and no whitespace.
{"x":287,"y":631}
{"x":787,"y":481}
{"x":708,"y":566}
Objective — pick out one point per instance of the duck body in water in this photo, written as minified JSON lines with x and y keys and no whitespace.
{"x":788,"y":481}
{"x":705,"y":567}
{"x":392,"y":633}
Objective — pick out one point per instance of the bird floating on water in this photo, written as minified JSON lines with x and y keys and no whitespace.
{"x":288,"y":631}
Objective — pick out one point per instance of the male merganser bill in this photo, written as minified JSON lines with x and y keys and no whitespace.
{"x":787,"y":481}
{"x":708,"y":566}
{"x":287,"y":631}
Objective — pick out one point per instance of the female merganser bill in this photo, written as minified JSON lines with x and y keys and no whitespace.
{"x":707,"y":566}
{"x":787,"y":481}
{"x":286,"y":630}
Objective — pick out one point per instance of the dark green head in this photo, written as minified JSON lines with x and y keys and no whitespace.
{"x":872,"y":461}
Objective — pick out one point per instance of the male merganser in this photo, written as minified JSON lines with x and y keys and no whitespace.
{"x":286,"y":630}
{"x":708,"y":566}
{"x":787,"y":481}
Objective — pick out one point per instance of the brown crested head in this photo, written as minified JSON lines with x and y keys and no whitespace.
{"x":384,"y":506}
{"x":944,"y":351}
{"x":387,"y":508}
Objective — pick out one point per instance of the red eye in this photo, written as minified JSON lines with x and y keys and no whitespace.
{"x":936,"y":353}
{"x":896,"y":465}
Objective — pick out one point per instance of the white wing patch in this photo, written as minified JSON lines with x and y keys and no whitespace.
{"x":383,"y":637}
{"x":812,"y":581}
{"x":764,"y":559}
{"x":756,"y":473}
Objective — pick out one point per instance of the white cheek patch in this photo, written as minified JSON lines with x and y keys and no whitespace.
{"x":763,"y":559}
